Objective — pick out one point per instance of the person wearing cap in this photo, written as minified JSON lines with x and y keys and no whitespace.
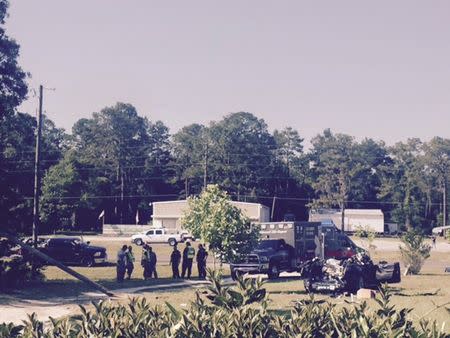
{"x":188,"y":257}
{"x":175,"y":258}
{"x":202,"y":256}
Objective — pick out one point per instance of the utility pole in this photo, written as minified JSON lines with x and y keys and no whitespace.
{"x":37,"y":173}
{"x":205,"y":169}
{"x":444,"y":204}
{"x":273,"y":208}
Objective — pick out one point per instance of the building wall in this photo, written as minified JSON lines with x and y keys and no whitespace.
{"x":353,"y":218}
{"x":169,"y":214}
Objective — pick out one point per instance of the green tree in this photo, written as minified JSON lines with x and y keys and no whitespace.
{"x":17,"y":167}
{"x":212,"y":218}
{"x":436,"y":159}
{"x":189,"y":155}
{"x":414,"y":250}
{"x":289,"y":152}
{"x":61,"y":193}
{"x":125,"y":158}
{"x":335,"y":172}
{"x":241,"y":155}
{"x":13,"y":86}
{"x":403,"y":185}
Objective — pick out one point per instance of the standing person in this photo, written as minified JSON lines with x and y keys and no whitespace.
{"x":433,"y":239}
{"x":202,"y":256}
{"x":130,"y":261}
{"x":145,"y":261}
{"x":121,"y":264}
{"x":175,"y":259}
{"x":152,"y":263}
{"x":188,"y":257}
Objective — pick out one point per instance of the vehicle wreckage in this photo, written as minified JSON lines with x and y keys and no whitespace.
{"x":348,"y":275}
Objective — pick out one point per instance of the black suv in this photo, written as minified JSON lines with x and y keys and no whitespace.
{"x":71,"y":250}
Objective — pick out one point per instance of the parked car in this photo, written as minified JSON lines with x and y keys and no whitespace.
{"x":71,"y":250}
{"x":161,"y":235}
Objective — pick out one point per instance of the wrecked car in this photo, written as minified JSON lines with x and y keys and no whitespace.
{"x":348,"y":275}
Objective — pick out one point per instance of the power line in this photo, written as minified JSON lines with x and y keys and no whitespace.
{"x":260,"y":197}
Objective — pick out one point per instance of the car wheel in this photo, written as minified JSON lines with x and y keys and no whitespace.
{"x":274,"y":272}
{"x":138,"y":241}
{"x":172,"y":241}
{"x":88,"y":261}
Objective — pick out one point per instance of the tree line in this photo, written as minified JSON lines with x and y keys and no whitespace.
{"x":120,"y":161}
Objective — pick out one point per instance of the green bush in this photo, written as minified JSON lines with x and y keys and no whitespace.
{"x":15,"y":269}
{"x":415,"y":251}
{"x":239,"y":311}
{"x":447,"y":235}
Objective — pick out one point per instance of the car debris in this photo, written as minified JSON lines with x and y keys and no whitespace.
{"x":348,"y":275}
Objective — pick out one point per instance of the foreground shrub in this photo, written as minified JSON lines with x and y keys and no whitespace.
{"x":239,"y":311}
{"x":15,"y":268}
{"x":415,"y":251}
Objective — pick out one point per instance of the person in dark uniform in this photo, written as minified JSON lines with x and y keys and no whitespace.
{"x":202,"y":256}
{"x":188,"y":257}
{"x":175,"y":258}
{"x":129,"y":261}
{"x":145,"y":261}
{"x":152,"y":263}
{"x":121,"y":263}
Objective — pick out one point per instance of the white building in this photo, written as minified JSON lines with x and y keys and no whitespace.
{"x":353,"y":218}
{"x":168,"y":214}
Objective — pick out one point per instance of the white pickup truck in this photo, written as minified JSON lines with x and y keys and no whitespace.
{"x":161,"y":235}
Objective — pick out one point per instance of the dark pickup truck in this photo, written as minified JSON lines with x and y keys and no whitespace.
{"x":287,"y":245}
{"x":270,"y":257}
{"x":71,"y":250}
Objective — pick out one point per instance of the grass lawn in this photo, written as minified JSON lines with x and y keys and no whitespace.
{"x":422,"y":293}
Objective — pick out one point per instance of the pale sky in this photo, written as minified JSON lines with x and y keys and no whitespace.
{"x":379,"y":69}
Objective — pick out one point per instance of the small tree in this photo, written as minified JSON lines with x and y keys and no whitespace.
{"x":367,"y":235}
{"x":415,"y":251}
{"x":212,"y":218}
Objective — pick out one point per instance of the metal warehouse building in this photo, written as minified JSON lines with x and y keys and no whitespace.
{"x":353,"y":218}
{"x":168,"y":214}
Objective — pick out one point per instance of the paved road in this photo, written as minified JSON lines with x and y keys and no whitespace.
{"x":387,"y":244}
{"x":392,"y":244}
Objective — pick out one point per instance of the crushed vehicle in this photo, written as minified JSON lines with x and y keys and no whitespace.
{"x":348,"y":275}
{"x":286,"y":246}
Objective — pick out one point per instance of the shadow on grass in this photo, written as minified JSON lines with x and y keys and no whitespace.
{"x":418,"y":294}
{"x":288,"y":292}
{"x":60,"y":290}
{"x":283,"y":280}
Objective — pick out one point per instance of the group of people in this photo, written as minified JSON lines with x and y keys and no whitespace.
{"x":188,"y":259}
{"x":125,"y":262}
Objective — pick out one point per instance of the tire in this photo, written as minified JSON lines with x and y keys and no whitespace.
{"x":88,"y":261}
{"x":274,"y":271}
{"x":138,"y":241}
{"x":172,"y":241}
